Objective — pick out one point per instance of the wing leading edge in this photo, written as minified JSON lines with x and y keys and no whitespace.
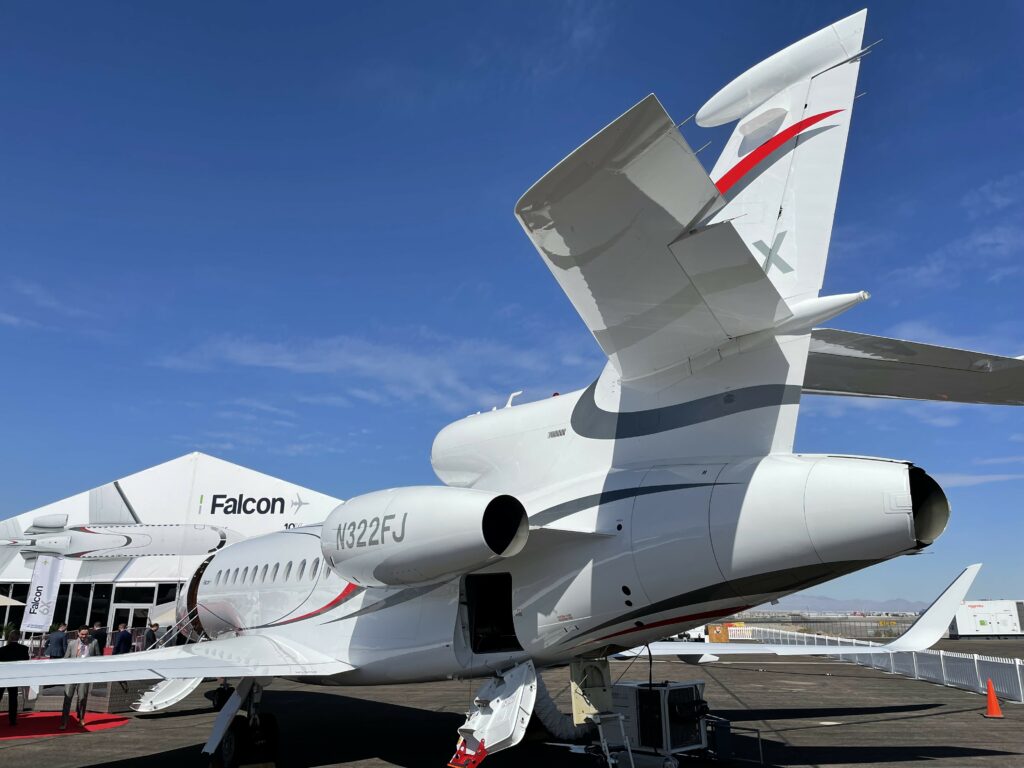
{"x":622,"y":225}
{"x":846,"y":363}
{"x":248,"y":656}
{"x":922,"y":634}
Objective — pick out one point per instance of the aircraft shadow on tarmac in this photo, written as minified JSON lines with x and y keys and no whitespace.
{"x":818,"y":713}
{"x":327,"y":729}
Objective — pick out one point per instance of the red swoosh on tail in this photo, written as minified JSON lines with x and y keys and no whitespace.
{"x":743,"y":167}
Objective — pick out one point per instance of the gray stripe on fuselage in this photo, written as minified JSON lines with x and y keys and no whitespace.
{"x":567,"y":508}
{"x":785,"y":580}
{"x":589,"y":420}
{"x":390,"y":601}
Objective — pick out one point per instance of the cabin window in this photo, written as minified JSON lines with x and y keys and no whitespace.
{"x":287,"y":571}
{"x":216,"y":579}
{"x":245,"y":574}
{"x":273,"y":573}
{"x":263,"y":574}
{"x":255,"y":570}
{"x":234,"y":577}
{"x":314,"y":568}
{"x":302,"y":570}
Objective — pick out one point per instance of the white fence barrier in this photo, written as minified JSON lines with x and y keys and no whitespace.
{"x":967,"y":671}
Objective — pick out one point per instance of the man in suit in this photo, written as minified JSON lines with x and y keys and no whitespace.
{"x":151,"y":635}
{"x":81,"y":647}
{"x":122,"y":640}
{"x":57,"y":642}
{"x":99,"y":634}
{"x":13,"y":651}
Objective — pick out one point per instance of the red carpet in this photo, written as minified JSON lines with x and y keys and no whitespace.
{"x":32,"y":725}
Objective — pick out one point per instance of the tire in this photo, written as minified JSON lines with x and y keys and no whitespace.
{"x":265,"y":739}
{"x":220,"y":697}
{"x":234,"y":748}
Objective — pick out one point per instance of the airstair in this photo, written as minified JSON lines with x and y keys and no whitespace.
{"x":167,"y":693}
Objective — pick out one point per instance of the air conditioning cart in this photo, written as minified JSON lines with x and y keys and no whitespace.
{"x":662,"y":719}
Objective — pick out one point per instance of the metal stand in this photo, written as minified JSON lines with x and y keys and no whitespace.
{"x":599,"y":719}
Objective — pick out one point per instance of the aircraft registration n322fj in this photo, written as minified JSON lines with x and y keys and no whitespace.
{"x":663,"y":495}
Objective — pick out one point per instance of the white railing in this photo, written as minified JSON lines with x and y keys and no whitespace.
{"x":968,"y":671}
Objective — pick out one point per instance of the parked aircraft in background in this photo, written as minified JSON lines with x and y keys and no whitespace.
{"x":52,"y":535}
{"x":661,"y":496}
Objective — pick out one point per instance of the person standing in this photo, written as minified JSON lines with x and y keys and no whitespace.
{"x":13,"y":651}
{"x":151,"y":635}
{"x":57,"y":642}
{"x":122,"y":640}
{"x":82,"y":647}
{"x":99,"y":634}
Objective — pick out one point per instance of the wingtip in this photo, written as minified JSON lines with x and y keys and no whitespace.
{"x":932,"y":624}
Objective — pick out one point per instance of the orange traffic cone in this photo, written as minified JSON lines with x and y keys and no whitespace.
{"x":992,"y":710}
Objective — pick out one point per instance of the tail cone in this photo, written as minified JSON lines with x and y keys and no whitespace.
{"x":992,"y":710}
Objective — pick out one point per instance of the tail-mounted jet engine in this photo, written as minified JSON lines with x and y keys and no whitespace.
{"x":420,"y":535}
{"x":783,"y":513}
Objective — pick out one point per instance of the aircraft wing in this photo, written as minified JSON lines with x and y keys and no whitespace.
{"x":621,"y":224}
{"x":845,"y":363}
{"x":244,"y":656}
{"x":929,"y":628}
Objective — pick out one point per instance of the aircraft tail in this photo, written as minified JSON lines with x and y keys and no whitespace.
{"x":779,"y":172}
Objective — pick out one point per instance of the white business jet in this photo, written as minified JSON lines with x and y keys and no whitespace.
{"x":663,"y":495}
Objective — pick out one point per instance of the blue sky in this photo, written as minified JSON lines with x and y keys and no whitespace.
{"x":284,"y":236}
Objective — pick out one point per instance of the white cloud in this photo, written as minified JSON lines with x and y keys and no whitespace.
{"x":955,"y":480}
{"x":994,"y":196}
{"x":1001,"y":460}
{"x":983,"y":252}
{"x":334,"y":401}
{"x":933,"y":414}
{"x":454,"y":375}
{"x":13,"y":321}
{"x":262,"y":406}
{"x":577,"y":32}
{"x":42,"y":298}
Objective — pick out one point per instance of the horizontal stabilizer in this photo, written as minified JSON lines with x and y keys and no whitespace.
{"x":248,"y":656}
{"x":621,"y":224}
{"x":845,"y":363}
{"x":922,"y":634}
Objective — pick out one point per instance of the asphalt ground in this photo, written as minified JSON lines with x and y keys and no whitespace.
{"x":811,"y":712}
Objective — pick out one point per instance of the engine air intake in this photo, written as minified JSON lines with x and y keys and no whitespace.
{"x":930,"y":505}
{"x":505,"y":526}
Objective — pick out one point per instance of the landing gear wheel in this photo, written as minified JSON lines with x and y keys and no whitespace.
{"x":265,"y":739}
{"x":234,"y":748}
{"x":219,"y":696}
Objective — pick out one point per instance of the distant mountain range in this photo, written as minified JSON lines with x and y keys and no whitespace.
{"x":823,"y":604}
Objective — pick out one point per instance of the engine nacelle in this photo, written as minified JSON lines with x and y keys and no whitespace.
{"x":795,"y":513}
{"x":421,"y":535}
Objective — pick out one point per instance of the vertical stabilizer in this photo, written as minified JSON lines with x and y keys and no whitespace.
{"x":780,"y":170}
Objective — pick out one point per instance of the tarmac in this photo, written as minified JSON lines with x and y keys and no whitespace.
{"x":810,"y":712}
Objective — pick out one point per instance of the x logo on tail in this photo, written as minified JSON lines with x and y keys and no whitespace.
{"x":771,"y":255}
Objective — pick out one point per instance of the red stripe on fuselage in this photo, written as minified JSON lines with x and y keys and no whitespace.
{"x":744,"y":166}
{"x":678,"y":620}
{"x":345,"y":593}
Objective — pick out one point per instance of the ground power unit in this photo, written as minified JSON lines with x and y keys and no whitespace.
{"x":665,"y":718}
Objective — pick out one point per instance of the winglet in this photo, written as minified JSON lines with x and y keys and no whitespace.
{"x":933,"y":623}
